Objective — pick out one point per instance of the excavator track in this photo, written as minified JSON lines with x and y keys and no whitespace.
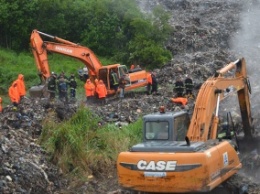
{"x":128,"y":94}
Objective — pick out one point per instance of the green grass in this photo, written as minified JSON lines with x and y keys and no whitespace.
{"x":80,"y":145}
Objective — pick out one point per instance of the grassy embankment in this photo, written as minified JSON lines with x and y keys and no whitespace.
{"x":78,"y":145}
{"x":82,"y":147}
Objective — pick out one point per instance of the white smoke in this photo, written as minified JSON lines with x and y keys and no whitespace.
{"x":246,"y":43}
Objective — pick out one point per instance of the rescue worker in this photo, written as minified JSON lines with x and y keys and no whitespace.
{"x":52,"y":85}
{"x":180,"y":100}
{"x":14,"y":94}
{"x":188,"y":83}
{"x":73,"y":85}
{"x":179,"y":87}
{"x":1,"y":107}
{"x":85,"y":73}
{"x":63,"y":89}
{"x":149,"y":82}
{"x":154,"y":83}
{"x":89,"y":91}
{"x":62,"y":74}
{"x":132,"y":67}
{"x":225,"y":132}
{"x":122,"y":83}
{"x":101,"y":92}
{"x":114,"y":80}
{"x":96,"y":82}
{"x":21,"y":85}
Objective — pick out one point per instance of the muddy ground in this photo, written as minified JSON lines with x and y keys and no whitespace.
{"x":208,"y":34}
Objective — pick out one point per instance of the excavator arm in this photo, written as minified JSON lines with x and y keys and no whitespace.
{"x":205,"y":118}
{"x":61,"y":46}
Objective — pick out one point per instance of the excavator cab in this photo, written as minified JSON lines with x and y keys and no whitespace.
{"x":105,"y":74}
{"x":228,"y":130}
{"x":165,"y":126}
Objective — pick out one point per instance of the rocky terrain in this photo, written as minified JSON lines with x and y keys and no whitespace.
{"x":208,"y":34}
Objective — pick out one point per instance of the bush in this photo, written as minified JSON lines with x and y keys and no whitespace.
{"x":81,"y":144}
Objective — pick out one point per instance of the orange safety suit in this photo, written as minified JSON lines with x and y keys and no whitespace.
{"x":21,"y":85}
{"x":150,"y":82}
{"x":14,"y":93}
{"x":101,"y":89}
{"x":96,"y":82}
{"x":89,"y":88}
{"x":1,"y":108}
{"x":181,"y":100}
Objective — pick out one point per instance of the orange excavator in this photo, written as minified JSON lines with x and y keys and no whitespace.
{"x":183,"y":155}
{"x":40,"y":49}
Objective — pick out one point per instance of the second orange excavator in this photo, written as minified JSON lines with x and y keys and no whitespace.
{"x":40,"y":49}
{"x":181,"y":155}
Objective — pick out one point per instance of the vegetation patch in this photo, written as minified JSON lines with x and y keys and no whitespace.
{"x":82,"y":146}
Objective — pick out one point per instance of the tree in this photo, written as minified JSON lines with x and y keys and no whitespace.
{"x":115,"y":29}
{"x":15,"y":19}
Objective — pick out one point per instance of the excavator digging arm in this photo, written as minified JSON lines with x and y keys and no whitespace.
{"x":64,"y":47}
{"x":205,"y":118}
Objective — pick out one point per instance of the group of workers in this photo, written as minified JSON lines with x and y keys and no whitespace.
{"x":184,"y":88}
{"x":63,"y":85}
{"x":96,"y":90}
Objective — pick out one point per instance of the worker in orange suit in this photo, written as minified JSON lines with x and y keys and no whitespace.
{"x":180,"y":100}
{"x":89,"y":91}
{"x":96,"y":81}
{"x":101,"y":92}
{"x":149,"y":82}
{"x":21,"y":86}
{"x":1,"y":108}
{"x":14,"y":94}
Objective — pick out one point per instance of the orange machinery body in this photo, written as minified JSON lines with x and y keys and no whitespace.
{"x":41,"y":48}
{"x":198,"y":168}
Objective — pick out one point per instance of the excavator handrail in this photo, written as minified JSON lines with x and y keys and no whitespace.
{"x":204,"y":121}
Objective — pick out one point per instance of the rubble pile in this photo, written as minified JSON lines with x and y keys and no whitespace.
{"x":24,"y":165}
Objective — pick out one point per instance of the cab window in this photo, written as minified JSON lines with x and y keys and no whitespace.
{"x":157,"y":130}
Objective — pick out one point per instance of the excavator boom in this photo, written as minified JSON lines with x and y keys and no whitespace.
{"x":212,"y":92}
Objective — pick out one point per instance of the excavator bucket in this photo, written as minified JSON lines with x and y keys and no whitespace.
{"x":39,"y":91}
